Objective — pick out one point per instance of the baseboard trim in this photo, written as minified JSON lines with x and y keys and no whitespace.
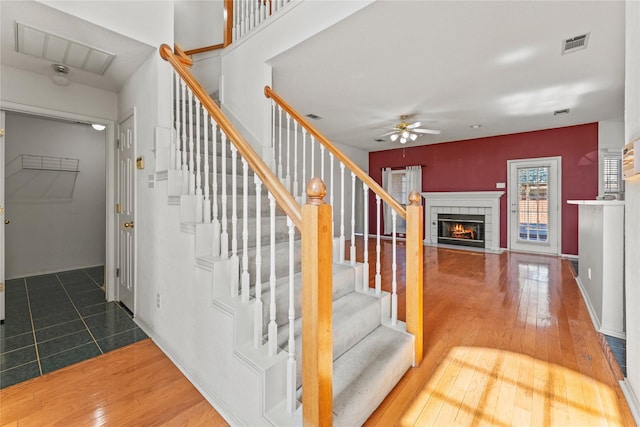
{"x":587,"y":302}
{"x":632,"y":400}
{"x":209,"y":395}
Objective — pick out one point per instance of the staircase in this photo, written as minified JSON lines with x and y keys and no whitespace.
{"x":248,"y":251}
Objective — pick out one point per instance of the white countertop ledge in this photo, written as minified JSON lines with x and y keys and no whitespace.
{"x":595,"y":202}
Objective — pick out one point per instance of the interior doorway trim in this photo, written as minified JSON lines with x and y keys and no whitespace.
{"x":109,"y":266}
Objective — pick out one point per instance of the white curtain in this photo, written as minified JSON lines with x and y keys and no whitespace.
{"x":414,"y":181}
{"x":386,"y":210}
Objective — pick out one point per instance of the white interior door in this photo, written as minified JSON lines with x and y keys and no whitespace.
{"x":125,"y":199}
{"x":2,"y":218}
{"x":534,"y":205}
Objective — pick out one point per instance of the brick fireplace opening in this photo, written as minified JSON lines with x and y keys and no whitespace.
{"x":461,"y":229}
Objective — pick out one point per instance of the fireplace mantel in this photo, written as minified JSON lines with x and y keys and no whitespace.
{"x":486,"y":203}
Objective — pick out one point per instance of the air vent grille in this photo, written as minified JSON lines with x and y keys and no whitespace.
{"x":575,"y":43}
{"x":42,"y":44}
{"x":314,"y":116}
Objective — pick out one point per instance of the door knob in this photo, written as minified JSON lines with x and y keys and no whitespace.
{"x":128,"y":224}
{"x":6,"y":221}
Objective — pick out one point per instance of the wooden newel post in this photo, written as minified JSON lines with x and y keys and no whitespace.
{"x":414,"y":302}
{"x":317,"y":347}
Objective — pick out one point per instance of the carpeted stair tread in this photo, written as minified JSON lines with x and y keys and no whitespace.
{"x":366,"y":374}
{"x":354,"y":316}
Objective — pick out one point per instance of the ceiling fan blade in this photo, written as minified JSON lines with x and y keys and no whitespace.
{"x":390,"y":133}
{"x":414,"y":125}
{"x":429,"y":131}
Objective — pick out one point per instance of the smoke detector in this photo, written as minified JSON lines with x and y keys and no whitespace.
{"x":575,"y":43}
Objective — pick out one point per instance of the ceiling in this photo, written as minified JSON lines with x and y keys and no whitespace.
{"x":454,"y":64}
{"x":129,"y":53}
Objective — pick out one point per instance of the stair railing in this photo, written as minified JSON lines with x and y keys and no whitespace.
{"x":298,"y":149}
{"x":243,"y":16}
{"x":201,"y":154}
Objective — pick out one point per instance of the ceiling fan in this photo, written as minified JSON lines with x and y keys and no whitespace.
{"x":405,"y":131}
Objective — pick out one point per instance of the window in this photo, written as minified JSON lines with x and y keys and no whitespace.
{"x":612,"y":174}
{"x":398,"y":186}
{"x":398,"y":189}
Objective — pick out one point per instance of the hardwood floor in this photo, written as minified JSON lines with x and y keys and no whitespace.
{"x":508,"y":342}
{"x":136,"y":385}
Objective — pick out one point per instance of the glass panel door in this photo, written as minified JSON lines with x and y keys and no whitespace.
{"x":533,"y":204}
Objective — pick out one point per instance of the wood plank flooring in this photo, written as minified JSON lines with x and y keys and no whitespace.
{"x":508,"y":342}
{"x":136,"y":385}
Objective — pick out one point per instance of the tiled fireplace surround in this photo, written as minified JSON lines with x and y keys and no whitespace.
{"x":485,"y":203}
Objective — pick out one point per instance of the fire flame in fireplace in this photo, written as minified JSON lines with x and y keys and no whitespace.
{"x":460,"y":232}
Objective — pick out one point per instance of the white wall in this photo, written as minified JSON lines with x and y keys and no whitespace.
{"x":245,"y":71}
{"x":147,"y":21}
{"x":25,"y":88}
{"x":632,"y":211}
{"x":57,"y":218}
{"x":198,"y":23}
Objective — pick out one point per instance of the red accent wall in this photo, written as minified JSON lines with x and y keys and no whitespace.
{"x":478,"y":164}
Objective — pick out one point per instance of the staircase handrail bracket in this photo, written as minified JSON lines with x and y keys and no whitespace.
{"x":284,"y":199}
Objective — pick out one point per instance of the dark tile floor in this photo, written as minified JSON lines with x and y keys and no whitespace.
{"x":619,"y":349}
{"x":55,"y":320}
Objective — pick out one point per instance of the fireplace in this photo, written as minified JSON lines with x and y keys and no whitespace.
{"x":461,"y":229}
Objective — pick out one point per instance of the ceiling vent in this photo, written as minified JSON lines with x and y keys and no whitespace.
{"x":41,"y":44}
{"x":575,"y":43}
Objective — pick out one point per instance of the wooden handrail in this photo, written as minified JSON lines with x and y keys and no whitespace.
{"x":364,"y":177}
{"x":228,"y":25}
{"x":284,"y":199}
{"x":182,"y":57}
{"x":204,"y":49}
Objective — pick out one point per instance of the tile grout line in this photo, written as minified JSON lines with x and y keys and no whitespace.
{"x":90,"y":277}
{"x":79,"y":314}
{"x":33,"y":326}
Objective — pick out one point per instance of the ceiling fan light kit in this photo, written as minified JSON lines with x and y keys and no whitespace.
{"x":405,"y":132}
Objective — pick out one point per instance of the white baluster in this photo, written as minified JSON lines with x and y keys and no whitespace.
{"x":352,"y":253}
{"x":192,"y":176}
{"x":394,"y":268}
{"x":291,"y":361}
{"x":365,"y":235}
{"x":378,"y":249}
{"x":207,"y":202}
{"x":333,"y":226}
{"x":342,"y":239}
{"x":274,"y":166}
{"x":322,"y":149}
{"x":215,"y":243}
{"x":198,"y":155}
{"x":304,"y":159}
{"x":273,"y":327}
{"x":245,"y":232}
{"x":198,"y":176}
{"x":287,"y":179}
{"x":280,"y":171}
{"x":224,"y":235}
{"x":295,"y":160}
{"x":257,"y":306}
{"x":175,"y":155}
{"x":313,"y":161}
{"x":234,"y":220}
{"x":185,"y":167}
